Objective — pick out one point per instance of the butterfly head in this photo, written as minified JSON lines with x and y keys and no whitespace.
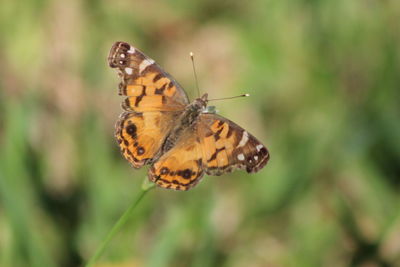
{"x":201,"y":102}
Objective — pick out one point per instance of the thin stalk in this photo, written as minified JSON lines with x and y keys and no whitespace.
{"x":146,"y":186}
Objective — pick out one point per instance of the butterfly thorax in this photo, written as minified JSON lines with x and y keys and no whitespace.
{"x":186,"y":120}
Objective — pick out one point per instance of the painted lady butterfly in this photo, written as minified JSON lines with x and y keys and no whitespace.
{"x":180,"y":140}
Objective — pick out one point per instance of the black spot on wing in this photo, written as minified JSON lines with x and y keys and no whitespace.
{"x":263,"y":151}
{"x":140,"y":150}
{"x":186,"y":174}
{"x":164,"y":170}
{"x":131,"y":129}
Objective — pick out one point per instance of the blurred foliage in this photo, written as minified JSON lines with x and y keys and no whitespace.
{"x":324,"y":78}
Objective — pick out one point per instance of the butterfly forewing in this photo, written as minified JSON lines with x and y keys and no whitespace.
{"x":141,"y":135}
{"x":227,"y":146}
{"x":141,"y":76}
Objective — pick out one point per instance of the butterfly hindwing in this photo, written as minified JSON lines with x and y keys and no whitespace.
{"x":180,"y":168}
{"x":140,"y":135}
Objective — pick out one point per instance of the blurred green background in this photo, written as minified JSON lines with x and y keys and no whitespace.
{"x":324,"y":80}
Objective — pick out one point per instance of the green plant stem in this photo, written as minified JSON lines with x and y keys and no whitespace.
{"x":146,"y":186}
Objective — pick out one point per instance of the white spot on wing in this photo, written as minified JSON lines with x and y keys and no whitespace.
{"x":259,"y":147}
{"x":255,"y":158}
{"x":122,"y":55}
{"x":245,"y":138}
{"x":131,"y":50}
{"x":240,"y":156}
{"x":144,"y":64}
{"x":129,"y":71}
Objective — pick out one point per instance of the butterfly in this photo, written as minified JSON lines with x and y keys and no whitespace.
{"x":181,"y":141}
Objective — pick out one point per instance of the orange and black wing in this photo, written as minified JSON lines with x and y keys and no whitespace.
{"x":227,"y":146}
{"x":180,"y":168}
{"x":141,"y":135}
{"x":213,"y":145}
{"x":154,"y":101}
{"x":142,"y":77}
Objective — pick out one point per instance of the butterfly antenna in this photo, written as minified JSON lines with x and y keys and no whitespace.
{"x":195,"y":75}
{"x":225,"y":98}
